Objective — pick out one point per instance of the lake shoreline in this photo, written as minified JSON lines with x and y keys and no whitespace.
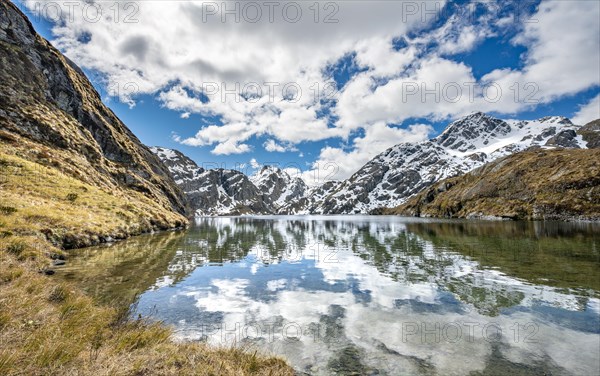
{"x":365,"y":278}
{"x":388,"y":213}
{"x":66,"y":330}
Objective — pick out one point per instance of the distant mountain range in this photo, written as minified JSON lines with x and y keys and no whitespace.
{"x":230,"y":192}
{"x":386,"y":181}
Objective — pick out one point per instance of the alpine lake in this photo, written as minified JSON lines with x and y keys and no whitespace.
{"x":367,"y":295}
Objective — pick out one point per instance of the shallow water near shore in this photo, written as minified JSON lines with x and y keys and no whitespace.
{"x":368,"y":295}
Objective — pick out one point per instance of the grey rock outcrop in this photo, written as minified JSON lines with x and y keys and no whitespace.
{"x":212,"y":192}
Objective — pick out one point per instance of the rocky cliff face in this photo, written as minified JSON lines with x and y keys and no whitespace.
{"x":590,"y":133}
{"x":215,"y":192}
{"x":535,"y":184}
{"x":314,"y":201}
{"x":278,"y":188}
{"x":48,"y":106}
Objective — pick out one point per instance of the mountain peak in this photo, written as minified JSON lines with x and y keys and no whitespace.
{"x":477,"y":114}
{"x":172,"y":156}
{"x":471,"y":132}
{"x":269,"y":168}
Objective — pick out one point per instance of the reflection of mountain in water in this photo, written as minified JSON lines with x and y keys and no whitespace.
{"x":473,"y":260}
{"x":562,"y":255}
{"x":352,"y":284}
{"x":116,"y":273}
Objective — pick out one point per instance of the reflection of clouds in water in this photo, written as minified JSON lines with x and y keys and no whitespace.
{"x":230,"y":298}
{"x":378,"y":326}
{"x":163,"y":282}
{"x":594,"y":306}
{"x":575,"y":351}
{"x":384,"y":290}
{"x":292,"y":337}
{"x":369,"y":326}
{"x":381,"y":329}
{"x":277,"y":284}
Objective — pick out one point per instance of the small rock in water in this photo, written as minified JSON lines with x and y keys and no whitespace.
{"x":59,"y":262}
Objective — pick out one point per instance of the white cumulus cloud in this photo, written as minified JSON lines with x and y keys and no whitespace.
{"x":588,"y":112}
{"x":266,"y":76}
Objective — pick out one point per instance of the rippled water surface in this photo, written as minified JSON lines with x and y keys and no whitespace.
{"x":369,"y":295}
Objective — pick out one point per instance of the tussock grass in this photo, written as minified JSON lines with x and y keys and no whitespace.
{"x":51,"y":327}
{"x":41,"y":199}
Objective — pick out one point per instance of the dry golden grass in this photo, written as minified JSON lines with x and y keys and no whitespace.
{"x":47,"y":327}
{"x":39,"y":198}
{"x":50,"y":327}
{"x":71,"y":176}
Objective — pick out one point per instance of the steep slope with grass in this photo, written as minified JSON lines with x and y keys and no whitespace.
{"x":561,"y":184}
{"x":72,"y":175}
{"x":51,"y":114}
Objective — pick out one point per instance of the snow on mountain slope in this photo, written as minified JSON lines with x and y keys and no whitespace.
{"x":213,"y":192}
{"x":278,"y":187}
{"x":388,"y":180}
{"x":229,"y":192}
{"x":314,"y":200}
{"x":403,"y":170}
{"x":182,"y":168}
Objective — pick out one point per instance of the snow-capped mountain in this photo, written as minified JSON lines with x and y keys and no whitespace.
{"x":405,"y":169}
{"x":183,"y":170}
{"x":314,"y":201}
{"x":213,"y":192}
{"x":388,"y":180}
{"x":278,"y":187}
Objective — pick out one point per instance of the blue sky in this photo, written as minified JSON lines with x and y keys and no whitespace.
{"x":373,"y":55}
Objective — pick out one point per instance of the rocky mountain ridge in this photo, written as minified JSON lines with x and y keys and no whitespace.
{"x":278,"y":187}
{"x":393,"y":176}
{"x":212,"y":192}
{"x":388,"y":180}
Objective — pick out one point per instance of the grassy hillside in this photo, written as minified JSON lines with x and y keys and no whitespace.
{"x":39,"y":198}
{"x":48,"y":101}
{"x":50,"y":327}
{"x":73,"y":175}
{"x":535,"y":184}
